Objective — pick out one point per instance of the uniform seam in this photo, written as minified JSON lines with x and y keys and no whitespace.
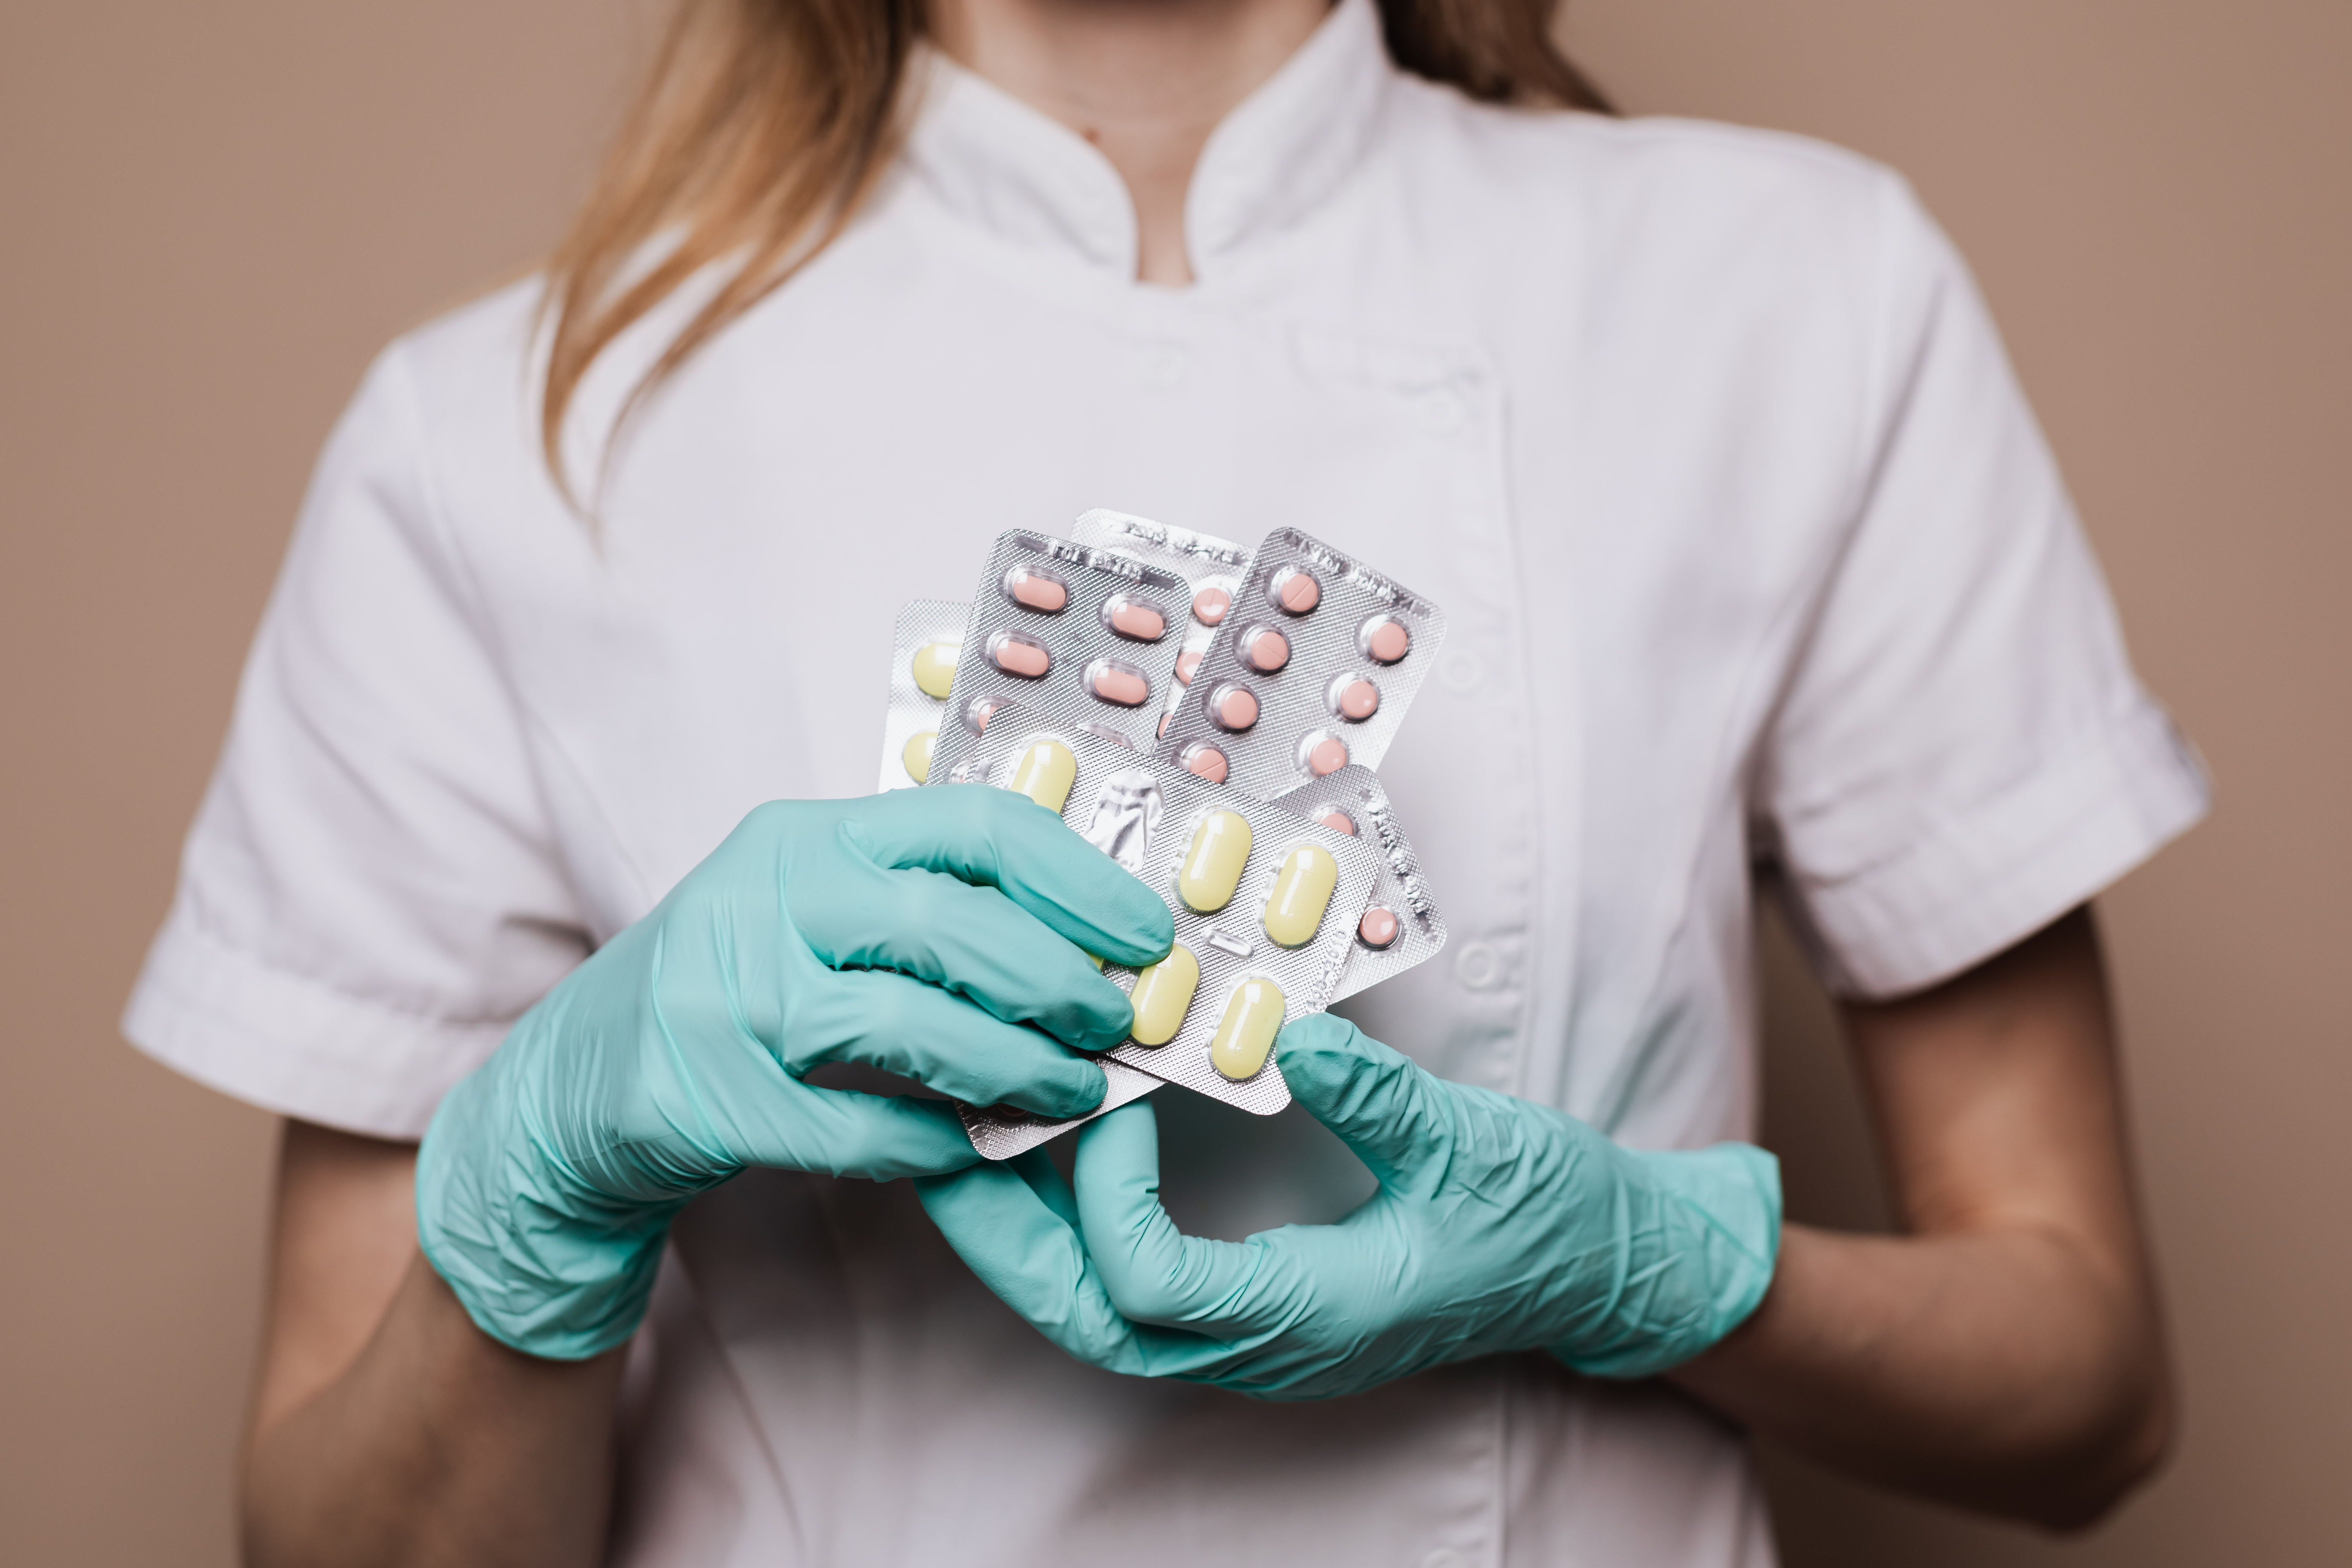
{"x":2115,"y":721}
{"x":195,"y":928}
{"x":1806,"y":597}
{"x":1810,"y":588}
{"x":464,"y":569}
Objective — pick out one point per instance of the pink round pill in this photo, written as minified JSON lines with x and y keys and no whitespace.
{"x":1034,"y":590}
{"x":1297,"y":591}
{"x":1325,"y":756}
{"x":1209,"y":605}
{"x":1118,"y":683}
{"x":1233,"y":707}
{"x":1019,"y":656}
{"x":1378,"y":928}
{"x":1385,"y":640}
{"x":1267,"y":650}
{"x":1131,"y":619}
{"x":1188,"y":665}
{"x":1206,"y":761}
{"x":1339,"y":819}
{"x":1358,"y":700}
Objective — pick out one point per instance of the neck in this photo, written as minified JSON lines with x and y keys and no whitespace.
{"x":1145,"y":80}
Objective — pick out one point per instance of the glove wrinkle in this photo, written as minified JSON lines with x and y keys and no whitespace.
{"x":673,"y":1056}
{"x":1499,"y":1226}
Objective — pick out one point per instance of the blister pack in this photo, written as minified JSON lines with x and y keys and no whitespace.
{"x":1402,"y":924}
{"x":923,"y":649}
{"x":1313,"y":669}
{"x":1086,"y":635}
{"x":1212,"y":567}
{"x":1266,"y":902}
{"x":1000,"y":1132}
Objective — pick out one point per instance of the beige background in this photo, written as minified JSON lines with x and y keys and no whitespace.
{"x":210,"y":215}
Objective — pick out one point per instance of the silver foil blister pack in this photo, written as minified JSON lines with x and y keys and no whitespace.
{"x":924,"y":647}
{"x":1212,"y":568}
{"x":1086,"y":634}
{"x":1401,"y":925}
{"x":1313,"y":669}
{"x":1261,"y":898}
{"x":999,"y":1133}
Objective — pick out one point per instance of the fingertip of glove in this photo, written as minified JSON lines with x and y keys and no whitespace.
{"x":1078,"y":1094}
{"x":1140,"y":928}
{"x":1327,"y":1062}
{"x":1318,"y":1032}
{"x":1320,"y":1045}
{"x":1111,"y":1018}
{"x":1134,"y":1120}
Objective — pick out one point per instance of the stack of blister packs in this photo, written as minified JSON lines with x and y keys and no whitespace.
{"x":1210,"y":717}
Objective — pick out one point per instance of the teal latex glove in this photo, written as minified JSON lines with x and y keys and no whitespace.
{"x":1499,"y":1226}
{"x":926,"y":932}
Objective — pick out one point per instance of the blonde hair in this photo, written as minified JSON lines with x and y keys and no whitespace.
{"x":764,"y":125}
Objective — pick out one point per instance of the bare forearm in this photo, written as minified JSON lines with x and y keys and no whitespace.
{"x":438,"y":1445}
{"x":1999,"y":1369}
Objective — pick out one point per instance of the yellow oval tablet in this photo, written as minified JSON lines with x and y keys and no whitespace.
{"x":1211,"y":868}
{"x":934,"y":668}
{"x":1253,"y":1018}
{"x":1044,"y":772}
{"x":1302,"y":890}
{"x":1162,"y":995}
{"x":918,"y":755}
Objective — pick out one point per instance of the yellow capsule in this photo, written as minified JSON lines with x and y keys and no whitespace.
{"x":918,"y":755}
{"x":1162,"y":995}
{"x":1302,"y":890}
{"x":934,"y":668}
{"x":1095,"y":959}
{"x":1253,"y":1018}
{"x":1211,"y":868}
{"x":1044,"y":772}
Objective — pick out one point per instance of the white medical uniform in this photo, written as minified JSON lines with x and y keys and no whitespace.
{"x":1752,"y":554}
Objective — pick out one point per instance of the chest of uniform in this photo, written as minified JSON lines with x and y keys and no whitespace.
{"x":765,"y":526}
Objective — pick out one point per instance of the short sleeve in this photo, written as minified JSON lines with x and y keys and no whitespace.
{"x":1961,"y":753}
{"x":370,"y":893}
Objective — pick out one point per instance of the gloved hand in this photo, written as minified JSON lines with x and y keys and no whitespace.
{"x":926,"y":932}
{"x":1499,"y":1226}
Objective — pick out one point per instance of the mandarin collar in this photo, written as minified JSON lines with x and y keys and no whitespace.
{"x":1024,"y":176}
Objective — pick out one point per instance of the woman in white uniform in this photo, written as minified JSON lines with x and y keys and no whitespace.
{"x":1758,"y":571}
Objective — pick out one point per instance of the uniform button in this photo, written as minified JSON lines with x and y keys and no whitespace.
{"x":1444,"y":411}
{"x":1445,"y":1557}
{"x":1161,"y":366}
{"x":1477,"y":966}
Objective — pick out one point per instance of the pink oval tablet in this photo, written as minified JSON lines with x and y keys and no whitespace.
{"x":1019,"y":656}
{"x":1209,"y":605}
{"x":1267,"y":651}
{"x":1035,"y":590}
{"x":1129,"y":619}
{"x":1206,"y":761}
{"x":1163,"y":724}
{"x":1358,"y":700}
{"x":1328,"y":755}
{"x":1233,"y":707}
{"x":1188,"y":665}
{"x":1339,"y":819}
{"x":981,"y":711}
{"x":1377,"y":929}
{"x":1116,"y":683}
{"x":1387,"y":641}
{"x":1297,"y":591}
